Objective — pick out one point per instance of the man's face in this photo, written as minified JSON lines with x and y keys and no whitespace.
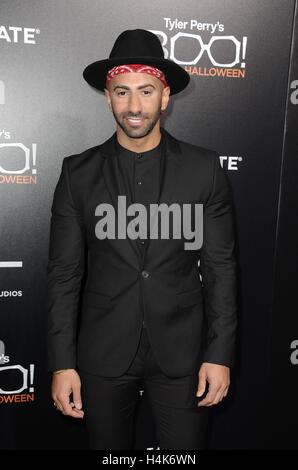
{"x":136,"y":100}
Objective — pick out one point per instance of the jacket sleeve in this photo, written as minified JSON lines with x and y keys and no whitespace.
{"x":218,"y":270}
{"x":65,"y":269}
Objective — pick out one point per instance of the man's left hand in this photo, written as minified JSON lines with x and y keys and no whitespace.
{"x":218,"y":378}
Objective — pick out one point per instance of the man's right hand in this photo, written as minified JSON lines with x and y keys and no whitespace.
{"x":64,"y":384}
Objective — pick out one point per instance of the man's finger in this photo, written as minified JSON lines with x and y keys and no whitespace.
{"x":209,"y":397}
{"x":59,"y":407}
{"x":76,"y":394}
{"x":218,"y":397}
{"x":80,"y":412}
{"x":201,"y":385}
{"x":57,"y":404}
{"x":68,"y":410}
{"x":207,"y":400}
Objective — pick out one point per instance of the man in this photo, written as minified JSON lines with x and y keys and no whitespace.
{"x":145,"y":296}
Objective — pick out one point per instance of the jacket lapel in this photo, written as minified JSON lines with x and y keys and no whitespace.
{"x":169,"y":172}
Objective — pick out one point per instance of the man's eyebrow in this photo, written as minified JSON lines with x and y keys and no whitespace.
{"x":124,"y":87}
{"x":121,"y":86}
{"x":145,"y":86}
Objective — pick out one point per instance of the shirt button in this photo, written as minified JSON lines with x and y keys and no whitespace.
{"x":145,"y":274}
{"x":139,"y":182}
{"x":139,"y":155}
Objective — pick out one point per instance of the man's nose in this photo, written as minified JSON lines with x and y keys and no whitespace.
{"x":135,"y":104}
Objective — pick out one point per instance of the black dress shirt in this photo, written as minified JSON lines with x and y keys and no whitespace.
{"x":140,"y":173}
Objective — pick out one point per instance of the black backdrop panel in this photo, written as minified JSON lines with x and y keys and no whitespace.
{"x":283,"y":382}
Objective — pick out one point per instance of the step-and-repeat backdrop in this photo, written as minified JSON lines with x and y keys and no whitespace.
{"x":241,"y":101}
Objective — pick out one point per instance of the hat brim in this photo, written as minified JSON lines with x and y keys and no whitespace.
{"x":177,"y":78}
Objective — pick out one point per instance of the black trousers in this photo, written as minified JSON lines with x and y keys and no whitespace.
{"x":110,"y":403}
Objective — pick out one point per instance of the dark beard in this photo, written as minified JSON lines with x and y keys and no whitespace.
{"x":138,"y":133}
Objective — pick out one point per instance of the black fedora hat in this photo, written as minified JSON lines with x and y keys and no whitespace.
{"x":137,"y":46}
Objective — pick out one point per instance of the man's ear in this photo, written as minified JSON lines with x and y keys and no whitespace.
{"x":165,"y":97}
{"x":107,"y":93}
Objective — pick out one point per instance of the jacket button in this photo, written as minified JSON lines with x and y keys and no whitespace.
{"x":145,"y":274}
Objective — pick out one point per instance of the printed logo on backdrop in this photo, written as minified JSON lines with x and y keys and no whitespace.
{"x":17,"y":161}
{"x":203,"y":48}
{"x":18,"y":34}
{"x":16,"y":381}
{"x":11,"y":264}
{"x":230,"y":162}
{"x":8,"y":294}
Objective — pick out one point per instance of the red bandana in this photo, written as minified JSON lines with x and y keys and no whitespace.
{"x":141,"y":68}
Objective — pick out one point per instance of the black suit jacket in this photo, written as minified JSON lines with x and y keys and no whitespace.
{"x":95,"y":325}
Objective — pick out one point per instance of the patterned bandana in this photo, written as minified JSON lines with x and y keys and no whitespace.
{"x":141,"y":68}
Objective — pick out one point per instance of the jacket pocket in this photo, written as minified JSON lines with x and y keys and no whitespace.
{"x":189,"y":298}
{"x":97,"y":299}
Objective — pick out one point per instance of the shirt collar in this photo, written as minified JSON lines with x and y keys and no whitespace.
{"x":149,"y":154}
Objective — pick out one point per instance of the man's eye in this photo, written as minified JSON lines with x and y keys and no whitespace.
{"x":121,"y":93}
{"x":147,"y":92}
